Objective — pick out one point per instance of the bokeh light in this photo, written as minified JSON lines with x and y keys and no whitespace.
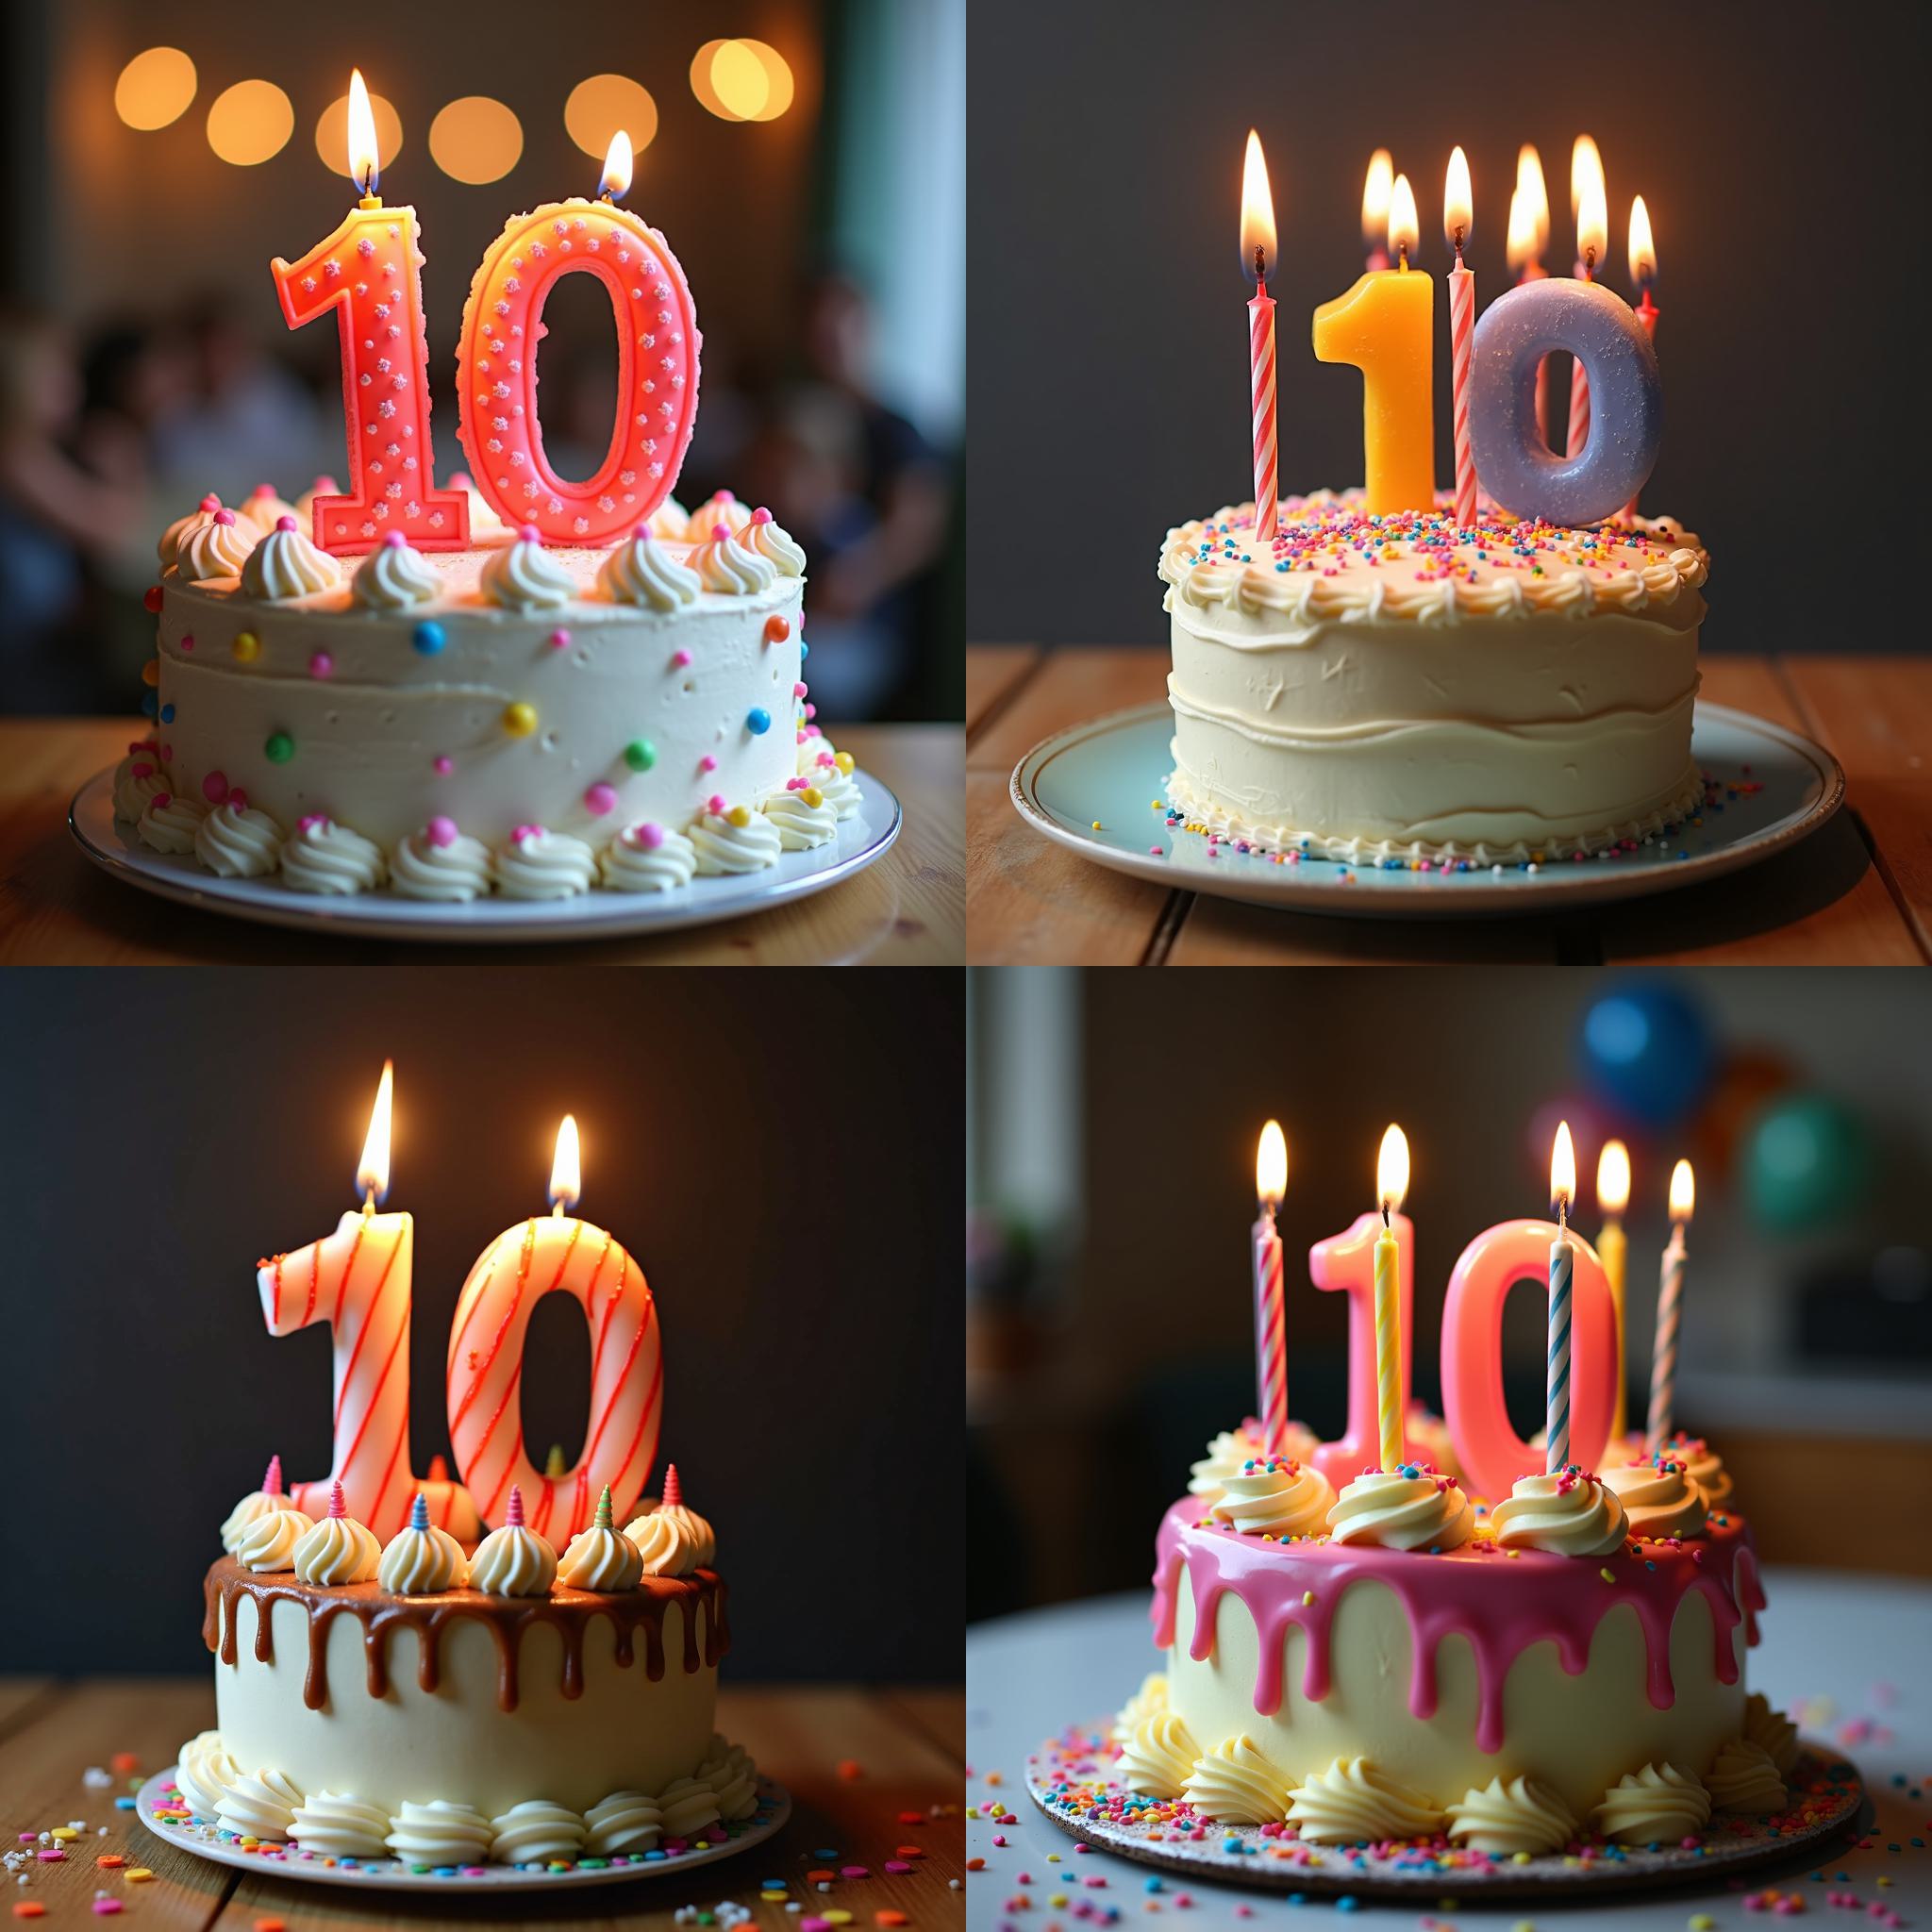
{"x":597,"y":108}
{"x":741,"y":80}
{"x":250,"y":123}
{"x":332,"y":135}
{"x":475,"y":140}
{"x":155,"y":88}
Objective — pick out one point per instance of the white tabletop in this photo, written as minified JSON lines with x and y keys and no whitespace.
{"x":1850,"y":1658}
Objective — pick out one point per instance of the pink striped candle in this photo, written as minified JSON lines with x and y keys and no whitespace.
{"x":1579,"y":388}
{"x":1587,"y":197}
{"x":1456,"y":213}
{"x":1258,"y":261}
{"x":1270,"y":1304}
{"x":1529,"y":231}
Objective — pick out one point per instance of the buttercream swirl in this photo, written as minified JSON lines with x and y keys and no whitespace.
{"x":1659,"y":1498}
{"x":171,"y":821}
{"x":137,"y":778}
{"x":260,"y":1803}
{"x":513,"y":1562}
{"x":669,"y":520}
{"x":1658,"y":1803}
{"x":773,"y":544}
{"x":320,"y":856}
{"x":689,"y":1806}
{"x":540,"y":864}
{"x":337,"y":1824}
{"x":394,"y":576}
{"x":1353,"y":1803}
{"x":704,"y":1539}
{"x":286,"y":564}
{"x":1772,"y":1730}
{"x":217,"y":548}
{"x":729,"y":1771}
{"x":721,"y":509}
{"x":441,"y":1832}
{"x":1236,"y":1784}
{"x":831,"y":771}
{"x":1226,"y":1454}
{"x":1151,"y":1697}
{"x":448,"y":874}
{"x":1157,"y":1757}
{"x":1275,"y":1496}
{"x":642,"y":572}
{"x":422,"y":1562}
{"x":263,"y":508}
{"x":176,"y":532}
{"x":204,"y":1773}
{"x":647,"y":858}
{"x":727,"y":567}
{"x":663,"y":1546}
{"x":804,"y":818}
{"x":1523,"y":1815}
{"x":725,"y":845}
{"x":239,"y":842}
{"x":1704,"y":1466}
{"x":338,"y":1550}
{"x":524,"y":576}
{"x":604,"y":1559}
{"x":1568,"y":1514}
{"x":537,"y":1832}
{"x":625,"y":1823}
{"x":304,"y":504}
{"x":251,"y":1508}
{"x":1744,"y":1778}
{"x":269,"y":1543}
{"x":1407,"y":1509}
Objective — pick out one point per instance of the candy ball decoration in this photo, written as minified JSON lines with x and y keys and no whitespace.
{"x":1806,"y":1162}
{"x":1516,"y":466}
{"x":1647,"y":1052}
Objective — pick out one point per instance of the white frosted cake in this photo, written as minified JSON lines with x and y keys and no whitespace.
{"x":1404,"y":690}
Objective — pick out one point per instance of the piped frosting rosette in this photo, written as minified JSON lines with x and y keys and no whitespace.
{"x":626,"y":1823}
{"x":263,"y":508}
{"x":642,"y":572}
{"x":804,"y":817}
{"x":217,"y":548}
{"x":1151,"y":1697}
{"x":689,"y":1805}
{"x":523,"y":576}
{"x":721,"y":509}
{"x":1157,"y":1757}
{"x":647,"y":858}
{"x":269,"y":1543}
{"x":1568,"y":1514}
{"x":537,"y":863}
{"x":1275,"y":1496}
{"x":440,"y":864}
{"x":513,"y":1560}
{"x":394,"y":576}
{"x":773,"y":544}
{"x":338,"y":1824}
{"x":204,"y":1773}
{"x":137,"y":778}
{"x":171,"y":821}
{"x":537,"y":1832}
{"x":1704,"y":1466}
{"x":728,"y":1770}
{"x":238,"y":841}
{"x":338,"y":1549}
{"x":177,"y":532}
{"x":1771,"y":1729}
{"x":421,"y":1559}
{"x":304,"y":504}
{"x":600,"y":1558}
{"x":254,"y":1506}
{"x":1659,"y":1803}
{"x":1407,"y":1509}
{"x":1225,"y":1453}
{"x":259,"y":1803}
{"x":1236,"y":1783}
{"x":729,"y":568}
{"x":285,"y":564}
{"x":1659,"y":1499}
{"x":440,"y":1832}
{"x":1744,"y":1778}
{"x":322,"y":856}
{"x":1354,"y":1803}
{"x":831,"y":770}
{"x":670,"y":520}
{"x":1522,"y":1816}
{"x":735,"y":840}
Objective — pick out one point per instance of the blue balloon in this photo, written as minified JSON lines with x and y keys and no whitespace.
{"x":1647,"y":1052}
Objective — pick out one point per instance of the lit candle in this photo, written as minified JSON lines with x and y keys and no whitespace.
{"x":1384,"y":325}
{"x":1588,"y":204}
{"x":1529,"y":235}
{"x":1391,"y":1184}
{"x":369,"y":273}
{"x":1642,"y":271}
{"x":1663,"y":1368}
{"x":1376,"y":189}
{"x":1458,"y":208}
{"x":1612,"y":1195}
{"x":1562,"y":1260}
{"x":1271,"y":1308}
{"x":1345,"y":1264}
{"x":1257,"y":262}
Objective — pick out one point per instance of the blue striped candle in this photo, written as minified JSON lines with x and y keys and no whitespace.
{"x":1556,"y":1417}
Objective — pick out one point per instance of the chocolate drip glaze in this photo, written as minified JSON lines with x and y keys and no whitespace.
{"x":380,"y":1611}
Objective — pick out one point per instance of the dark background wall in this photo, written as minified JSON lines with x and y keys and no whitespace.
{"x":1779,"y":150}
{"x":784,"y":1165}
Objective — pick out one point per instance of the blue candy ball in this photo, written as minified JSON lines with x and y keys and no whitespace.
{"x":428,"y":637}
{"x":148,"y":704}
{"x":760,"y":720}
{"x":167,"y":714}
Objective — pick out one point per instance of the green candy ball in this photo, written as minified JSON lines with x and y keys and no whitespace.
{"x":280,"y":748}
{"x":641,"y":753}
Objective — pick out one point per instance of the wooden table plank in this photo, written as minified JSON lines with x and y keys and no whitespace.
{"x":54,"y":909}
{"x":1228,"y":932}
{"x":18,"y":1698}
{"x":993,"y":672}
{"x":1072,"y":686}
{"x":940,"y":1713}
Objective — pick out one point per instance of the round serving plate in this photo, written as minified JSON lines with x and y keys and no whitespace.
{"x":1768,"y":787}
{"x":113,"y":846}
{"x":393,"y":1874}
{"x":1728,"y":1849}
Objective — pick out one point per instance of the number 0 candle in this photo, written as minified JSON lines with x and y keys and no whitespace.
{"x":1271,"y":1309}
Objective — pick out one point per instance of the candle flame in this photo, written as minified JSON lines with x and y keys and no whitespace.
{"x":1258,"y":215}
{"x":566,"y":1169}
{"x":1642,"y":249}
{"x":1457,"y":203}
{"x":364,"y":157}
{"x":1521,"y":247}
{"x":1403,"y":225}
{"x":1563,"y":1167}
{"x":1271,"y":1165}
{"x":1391,"y":1168}
{"x":1375,"y":192}
{"x":1592,"y":207}
{"x":1683,"y":1191}
{"x":1585,"y":163}
{"x":615,"y":184}
{"x":1613,"y":1177}
{"x":372,"y":1174}
{"x":1536,"y":198}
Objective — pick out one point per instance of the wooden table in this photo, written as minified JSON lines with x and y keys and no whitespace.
{"x":853,"y":1759}
{"x":56,"y":909}
{"x":1856,"y":893}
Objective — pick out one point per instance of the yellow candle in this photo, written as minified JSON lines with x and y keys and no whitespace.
{"x":1391,"y":1184}
{"x":1612,"y":1195}
{"x":1384,"y":326}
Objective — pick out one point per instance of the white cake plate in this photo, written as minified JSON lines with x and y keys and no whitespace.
{"x":1112,"y":769}
{"x":113,"y":846}
{"x":393,"y":1874}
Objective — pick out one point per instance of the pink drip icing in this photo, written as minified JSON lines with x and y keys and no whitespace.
{"x":1544,"y":1599}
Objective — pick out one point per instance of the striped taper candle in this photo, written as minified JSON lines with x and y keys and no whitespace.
{"x":1579,"y":392}
{"x":1257,"y":263}
{"x":1588,"y":202}
{"x":1456,"y":215}
{"x":1562,"y":1264}
{"x":1391,"y":1184}
{"x":1642,"y":267}
{"x":1670,"y":1294}
{"x":1271,"y":1311}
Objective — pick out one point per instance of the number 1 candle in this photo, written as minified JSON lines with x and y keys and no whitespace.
{"x":1271,"y":1309}
{"x":1612,"y":1195}
{"x":1257,"y":262}
{"x":1391,"y":1184}
{"x":1664,"y":1369}
{"x":1562,"y":1260}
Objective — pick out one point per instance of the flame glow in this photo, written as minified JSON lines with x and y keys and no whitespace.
{"x":1403,"y":227}
{"x":1536,"y":196}
{"x":1375,"y":192}
{"x":1271,"y":1165}
{"x":372,"y":1172}
{"x":1391,"y":1168}
{"x":1257,"y":212}
{"x":1642,"y":249}
{"x":364,"y":156}
{"x":615,"y":184}
{"x":1613,"y":1177}
{"x":1683,"y":1191}
{"x":566,"y":1169}
{"x":1457,"y":203}
{"x":1586,"y":164}
{"x":1563,"y":1167}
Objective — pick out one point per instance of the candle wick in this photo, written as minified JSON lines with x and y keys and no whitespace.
{"x":1261,"y":268}
{"x":1385,"y":1216}
{"x":1402,"y":256}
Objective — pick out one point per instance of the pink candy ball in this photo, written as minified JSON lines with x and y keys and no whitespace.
{"x":322,"y":665}
{"x":442,"y":832}
{"x":650,"y":835}
{"x":600,"y":799}
{"x":559,"y":640}
{"x":444,"y":766}
{"x":224,"y":516}
{"x":394,"y":540}
{"x":708,"y":763}
{"x":286,"y":523}
{"x":680,"y":658}
{"x":214,"y":787}
{"x":715,"y":803}
{"x":529,"y":534}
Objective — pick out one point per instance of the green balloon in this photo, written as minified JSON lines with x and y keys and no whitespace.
{"x":1806,"y":1164}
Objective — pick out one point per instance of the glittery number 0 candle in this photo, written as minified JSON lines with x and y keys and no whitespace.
{"x":657,"y":371}
{"x":370,"y":272}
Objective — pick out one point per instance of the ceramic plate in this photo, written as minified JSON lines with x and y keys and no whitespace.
{"x":117,"y":851}
{"x":1773,"y":786}
{"x":774,"y":1809}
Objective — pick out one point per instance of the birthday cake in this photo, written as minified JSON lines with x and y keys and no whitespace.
{"x":1403,"y":690}
{"x":512,"y":717}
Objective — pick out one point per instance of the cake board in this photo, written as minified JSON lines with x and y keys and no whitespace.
{"x":1732,"y":1849}
{"x":394,"y":1874}
{"x":1768,"y":788}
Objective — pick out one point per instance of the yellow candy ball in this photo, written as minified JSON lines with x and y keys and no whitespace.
{"x":844,"y":762}
{"x":151,"y":672}
{"x":248,"y":646}
{"x":813,"y":796}
{"x":520,"y":720}
{"x":740,"y":815}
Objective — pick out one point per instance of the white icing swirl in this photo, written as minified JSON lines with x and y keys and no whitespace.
{"x":1569,"y":1514}
{"x":204,"y":1773}
{"x":524,"y":576}
{"x":1159,"y":1755}
{"x":729,"y":568}
{"x":1773,"y":1731}
{"x":1704,"y":1466}
{"x":137,"y":778}
{"x":261,"y":1805}
{"x":841,"y":791}
{"x":419,"y":868}
{"x":216,"y":549}
{"x":394,"y":576}
{"x":1275,"y":1497}
{"x":1524,"y":1815}
{"x":804,"y":819}
{"x":732,"y":1776}
{"x":1655,"y":1804}
{"x":722,"y":845}
{"x":704,"y":1541}
{"x":642,"y":572}
{"x":177,"y":533}
{"x":338,"y":1550}
{"x":269,"y":1543}
{"x":171,"y":827}
{"x":604,"y":1559}
{"x":286,"y":564}
{"x":513,"y":1562}
{"x":239,"y":842}
{"x":544,"y":865}
{"x":1353,"y":1803}
{"x":625,"y":1822}
{"x":264,"y":508}
{"x":337,"y":1824}
{"x":1146,"y":1702}
{"x":721,"y":509}
{"x":775,"y":544}
{"x":322,"y":856}
{"x":251,"y":1508}
{"x":689,"y":1806}
{"x":422,"y":1562}
{"x":440,"y":1832}
{"x":629,"y":865}
{"x":537,"y":1832}
{"x":1744,"y":1778}
{"x":1402,"y":1512}
{"x":1234,"y":1784}
{"x":1659,"y":1498}
{"x":1226,"y":1454}
{"x":664,"y":1547}
{"x":670,"y":520}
